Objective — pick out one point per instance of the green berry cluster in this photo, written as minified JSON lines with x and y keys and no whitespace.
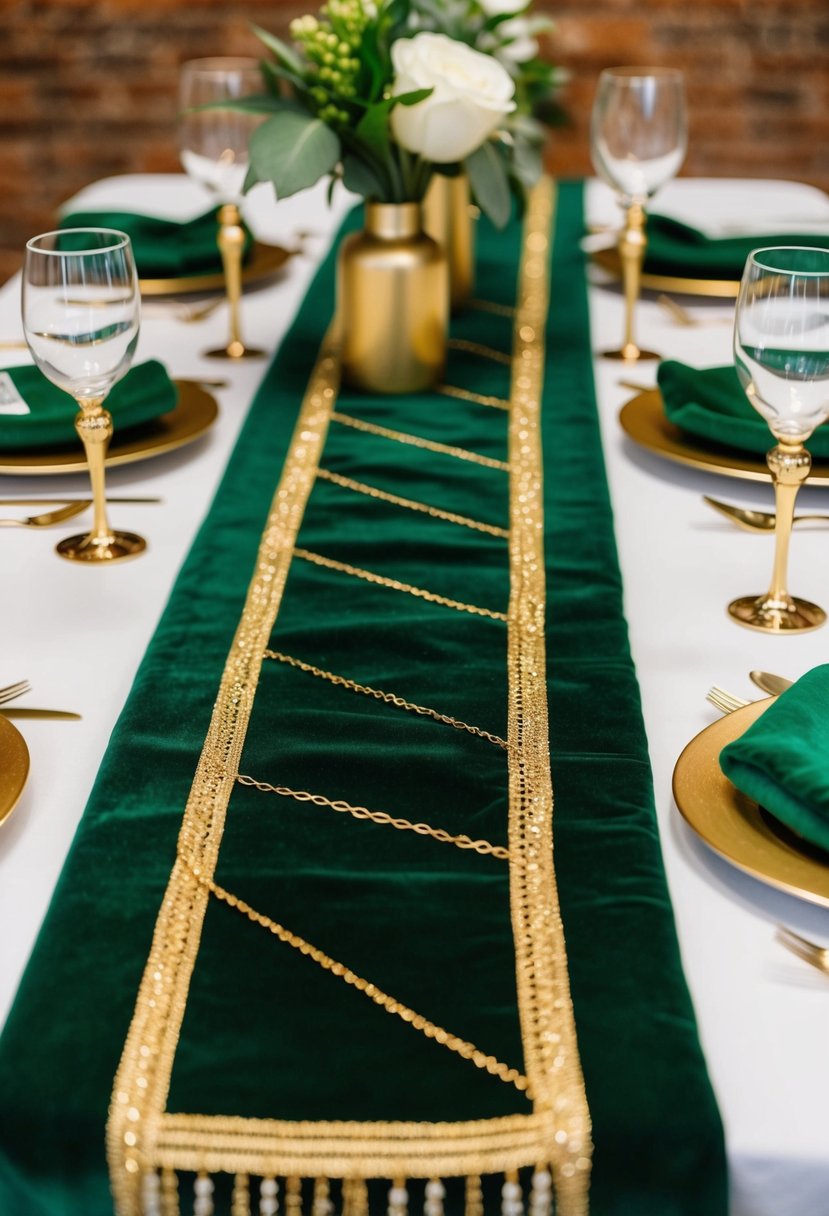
{"x":332,"y":48}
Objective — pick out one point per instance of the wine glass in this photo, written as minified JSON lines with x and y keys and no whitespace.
{"x":213,"y":145}
{"x":81,"y":313}
{"x":781,"y":350}
{"x":638,"y":139}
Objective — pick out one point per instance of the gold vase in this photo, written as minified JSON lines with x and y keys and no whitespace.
{"x":448,"y":217}
{"x":392,"y":302}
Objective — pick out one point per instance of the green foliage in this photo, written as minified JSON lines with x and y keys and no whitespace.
{"x":489,"y":182}
{"x":293,"y":150}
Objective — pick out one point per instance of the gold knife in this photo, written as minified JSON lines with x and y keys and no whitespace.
{"x":20,"y":711}
{"x":45,"y":502}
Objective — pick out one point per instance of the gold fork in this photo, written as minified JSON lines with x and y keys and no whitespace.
{"x":810,"y":952}
{"x":725,"y":702}
{"x":14,"y":690}
{"x":47,"y":517}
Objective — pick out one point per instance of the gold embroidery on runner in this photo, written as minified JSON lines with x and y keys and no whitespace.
{"x":548,"y":1029}
{"x":417,"y":441}
{"x":478,"y":348}
{"x":498,"y":310}
{"x":379,"y":695}
{"x":381,"y":817}
{"x":465,"y":394}
{"x":360,"y":487}
{"x":380,"y":580}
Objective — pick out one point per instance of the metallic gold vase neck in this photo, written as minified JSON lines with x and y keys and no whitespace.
{"x":393,"y":221}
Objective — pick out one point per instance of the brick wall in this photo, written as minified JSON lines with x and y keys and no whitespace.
{"x":88,"y":87}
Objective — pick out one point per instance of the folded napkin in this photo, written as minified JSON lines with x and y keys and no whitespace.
{"x":163,"y":249}
{"x":676,"y":249}
{"x":782,"y":761}
{"x":710,"y":403}
{"x":34,"y":413}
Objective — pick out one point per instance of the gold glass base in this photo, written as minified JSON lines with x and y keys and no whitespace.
{"x":789,"y":615}
{"x":235,"y":350}
{"x":630,"y":354}
{"x":112,"y":547}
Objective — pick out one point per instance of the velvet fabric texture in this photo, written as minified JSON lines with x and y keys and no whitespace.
{"x":782,"y":760}
{"x":677,"y":249}
{"x":146,"y":392}
{"x":266,"y":1031}
{"x":711,"y":404}
{"x":163,"y":249}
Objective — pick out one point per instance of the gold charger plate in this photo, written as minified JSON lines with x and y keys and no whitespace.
{"x":643,"y":420}
{"x":737,"y":828}
{"x":264,"y":261}
{"x":193,"y":413}
{"x":724,"y":289}
{"x":14,"y":767}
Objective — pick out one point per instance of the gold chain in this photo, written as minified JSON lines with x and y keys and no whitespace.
{"x":465,"y":394}
{"x":389,"y":697}
{"x":499,"y":310}
{"x":380,"y":580}
{"x":381,"y":817}
{"x":478,"y":348}
{"x":360,"y":487}
{"x":417,"y":441}
{"x":461,"y":1047}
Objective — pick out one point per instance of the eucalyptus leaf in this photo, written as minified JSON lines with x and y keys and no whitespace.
{"x":489,"y":182}
{"x":293,"y":150}
{"x":281,"y":50}
{"x":256,"y":103}
{"x":360,"y":178}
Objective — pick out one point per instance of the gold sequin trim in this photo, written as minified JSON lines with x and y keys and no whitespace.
{"x":381,"y":817}
{"x":452,"y":1042}
{"x":379,"y":694}
{"x":417,"y":441}
{"x":380,"y":580}
{"x":465,"y":394}
{"x":548,"y":1029}
{"x":478,"y":348}
{"x":411,"y":504}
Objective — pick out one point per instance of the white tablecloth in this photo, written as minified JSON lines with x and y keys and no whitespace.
{"x":78,"y":635}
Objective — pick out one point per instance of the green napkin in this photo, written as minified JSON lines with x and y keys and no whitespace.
{"x":710,"y":403}
{"x":677,"y":249}
{"x":782,"y":761}
{"x":163,"y":249}
{"x":144,"y":393}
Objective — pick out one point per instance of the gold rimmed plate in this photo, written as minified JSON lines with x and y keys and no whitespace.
{"x":14,"y":767}
{"x":194,"y":412}
{"x":643,"y":420}
{"x":264,"y":261}
{"x":722,"y":289}
{"x":737,"y":828}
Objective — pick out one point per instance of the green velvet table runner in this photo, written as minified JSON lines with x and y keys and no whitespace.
{"x":267,"y":1034}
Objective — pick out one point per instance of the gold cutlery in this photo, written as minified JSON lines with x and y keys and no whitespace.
{"x":636,"y":386}
{"x":769,"y":682}
{"x":754,"y":521}
{"x":810,"y":952}
{"x":682,"y":316}
{"x":724,"y":701}
{"x":47,"y":518}
{"x":45,"y":502}
{"x":20,"y":711}
{"x":12,"y":344}
{"x":14,"y":690}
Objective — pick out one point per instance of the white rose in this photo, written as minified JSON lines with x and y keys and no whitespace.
{"x":471,"y":94}
{"x":518,"y":43}
{"x":497,"y":8}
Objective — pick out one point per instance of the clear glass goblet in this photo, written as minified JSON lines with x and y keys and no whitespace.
{"x":81,"y":314}
{"x":638,"y":140}
{"x":213,"y":146}
{"x":781,"y":351}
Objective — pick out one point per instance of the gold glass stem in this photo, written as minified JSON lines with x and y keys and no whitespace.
{"x":94,"y":426}
{"x":789,"y":466}
{"x":632,"y":246}
{"x":777,"y":611}
{"x":231,"y":242}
